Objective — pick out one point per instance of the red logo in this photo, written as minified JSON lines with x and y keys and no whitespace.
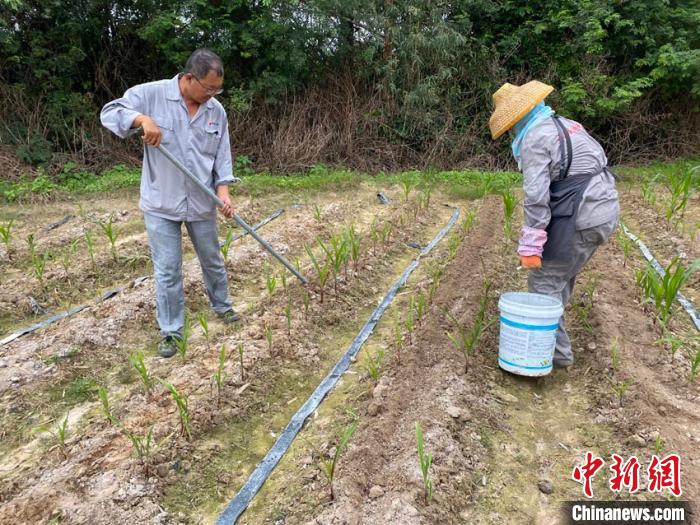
{"x":662,"y":474}
{"x":625,"y":474}
{"x":665,"y":474}
{"x":584,"y":473}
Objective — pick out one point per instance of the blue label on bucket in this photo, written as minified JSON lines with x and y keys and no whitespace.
{"x":528,"y":326}
{"x":524,"y":366}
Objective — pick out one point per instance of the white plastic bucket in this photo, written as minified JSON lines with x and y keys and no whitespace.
{"x":529,"y":323}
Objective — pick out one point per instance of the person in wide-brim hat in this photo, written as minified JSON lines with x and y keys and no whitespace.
{"x":571,"y":205}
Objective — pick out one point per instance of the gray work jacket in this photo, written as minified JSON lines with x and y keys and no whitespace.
{"x":540,"y":159}
{"x":200,"y":143}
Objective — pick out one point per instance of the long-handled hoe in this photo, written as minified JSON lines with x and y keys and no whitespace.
{"x":220,"y":203}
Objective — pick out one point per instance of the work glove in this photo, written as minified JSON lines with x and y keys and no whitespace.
{"x":531,"y":262}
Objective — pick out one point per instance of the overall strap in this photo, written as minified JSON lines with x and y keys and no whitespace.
{"x":566,"y":157}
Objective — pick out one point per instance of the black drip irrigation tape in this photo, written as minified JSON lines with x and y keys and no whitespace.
{"x":111,"y":293}
{"x":42,"y":324}
{"x":256,"y":480}
{"x":685,"y":303}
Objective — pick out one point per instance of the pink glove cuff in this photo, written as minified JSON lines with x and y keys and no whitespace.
{"x":532,"y":241}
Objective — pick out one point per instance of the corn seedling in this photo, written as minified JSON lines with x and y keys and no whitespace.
{"x":374,"y":364}
{"x":435,"y":274}
{"x":453,"y":246}
{"x":487,"y":184}
{"x":39,"y":266}
{"x":680,"y":187}
{"x":271,"y":285}
{"x":317,"y":213}
{"x":240,"y":359}
{"x":182,"y":343}
{"x":658,"y":445}
{"x":138,"y":363}
{"x":204,"y":324}
{"x":61,"y":433}
{"x":111,"y":234}
{"x":425,"y":460}
{"x":467,"y":223}
{"x":663,"y":290}
{"x":336,"y":254}
{"x":322,"y":272}
{"x":330,"y":465}
{"x":619,"y":388}
{"x":410,"y":317}
{"x":6,"y":233}
{"x":398,"y":335}
{"x":268,"y":337}
{"x":90,"y":246}
{"x":590,"y":288}
{"x":694,"y":358}
{"x":510,"y":201}
{"x":426,"y":194}
{"x":106,"y":409}
{"x":288,"y":317}
{"x":423,"y":202}
{"x":466,"y":338}
{"x":386,"y":233}
{"x":225,"y":246}
{"x":649,"y":192}
{"x":420,"y":307}
{"x":693,"y":231}
{"x":672,"y":342}
{"x":615,"y":354}
{"x":220,"y":376}
{"x":374,"y":235}
{"x":31,"y":245}
{"x":144,"y":446}
{"x":306,"y":299}
{"x":402,"y":220}
{"x":182,"y":408}
{"x":584,"y":306}
{"x":406,"y":186}
{"x":283,"y":280}
{"x":626,"y":244}
{"x":68,"y":254}
{"x":355,"y":246}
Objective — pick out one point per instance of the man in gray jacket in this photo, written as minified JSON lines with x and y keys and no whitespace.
{"x":181,"y":114}
{"x":571,"y":204}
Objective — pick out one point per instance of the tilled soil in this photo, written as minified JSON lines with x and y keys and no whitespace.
{"x":503,"y":446}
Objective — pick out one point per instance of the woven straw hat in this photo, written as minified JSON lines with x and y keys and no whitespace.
{"x":513,"y":103}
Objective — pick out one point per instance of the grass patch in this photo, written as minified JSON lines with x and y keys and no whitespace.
{"x":469,"y":184}
{"x":660,"y":171}
{"x":69,"y":181}
{"x":459,"y":184}
{"x":74,"y":391}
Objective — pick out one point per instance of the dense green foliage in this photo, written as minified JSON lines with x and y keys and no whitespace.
{"x":627,"y":68}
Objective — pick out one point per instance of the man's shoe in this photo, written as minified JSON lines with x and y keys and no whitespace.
{"x":168,"y":346}
{"x":229,"y":316}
